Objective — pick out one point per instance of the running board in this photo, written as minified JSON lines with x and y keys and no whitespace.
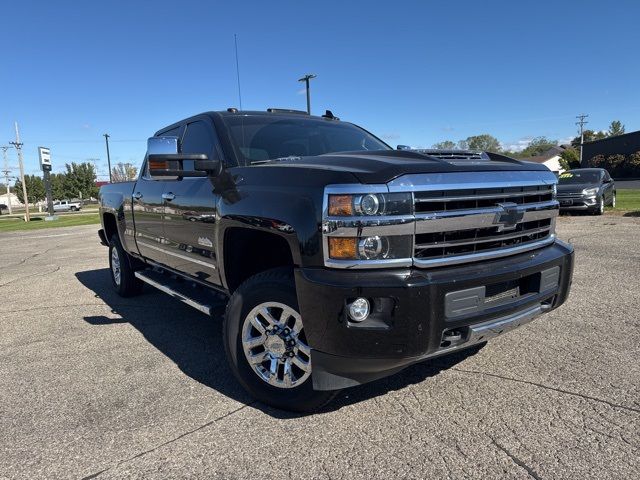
{"x":198,"y":298}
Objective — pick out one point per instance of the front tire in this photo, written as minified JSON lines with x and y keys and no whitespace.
{"x":122,"y":273}
{"x":599,"y":210}
{"x":266,"y":345}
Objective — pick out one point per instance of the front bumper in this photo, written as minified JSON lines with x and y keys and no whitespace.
{"x":416,"y":311}
{"x":578,"y":203}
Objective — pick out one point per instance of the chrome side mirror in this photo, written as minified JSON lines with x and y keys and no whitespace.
{"x":159,"y":169}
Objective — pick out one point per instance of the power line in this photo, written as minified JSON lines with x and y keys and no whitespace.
{"x":582,"y":122}
{"x":18,"y":145}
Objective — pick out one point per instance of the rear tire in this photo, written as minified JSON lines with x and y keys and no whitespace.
{"x":291,"y":387}
{"x":122,"y":273}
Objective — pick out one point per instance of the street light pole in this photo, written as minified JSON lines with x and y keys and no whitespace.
{"x":106,"y":139}
{"x":306,"y":79}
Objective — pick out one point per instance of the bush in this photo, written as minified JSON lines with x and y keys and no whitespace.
{"x":615,"y":164}
{"x":633,"y":164}
{"x":598,"y":161}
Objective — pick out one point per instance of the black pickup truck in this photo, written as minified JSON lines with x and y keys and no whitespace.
{"x":340,"y":260}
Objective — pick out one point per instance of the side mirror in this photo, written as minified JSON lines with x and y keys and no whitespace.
{"x":166,"y":163}
{"x":403,"y":147}
{"x":171,"y":165}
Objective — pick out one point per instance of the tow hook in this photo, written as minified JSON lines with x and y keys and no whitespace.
{"x":451,"y":337}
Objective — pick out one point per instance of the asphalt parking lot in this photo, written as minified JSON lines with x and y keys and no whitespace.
{"x":96,"y":386}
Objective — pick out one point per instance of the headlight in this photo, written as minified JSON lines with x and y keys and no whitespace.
{"x":370,"y":204}
{"x":590,"y":191}
{"x":374,"y":247}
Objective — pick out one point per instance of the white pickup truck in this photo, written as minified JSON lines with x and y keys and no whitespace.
{"x":66,"y":206}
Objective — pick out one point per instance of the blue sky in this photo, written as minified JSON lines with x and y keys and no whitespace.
{"x":412,"y":72}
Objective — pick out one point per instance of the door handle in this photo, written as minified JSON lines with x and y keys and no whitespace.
{"x":168,"y":196}
{"x":137,"y":195}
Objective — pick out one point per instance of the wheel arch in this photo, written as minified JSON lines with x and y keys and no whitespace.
{"x":246,"y":252}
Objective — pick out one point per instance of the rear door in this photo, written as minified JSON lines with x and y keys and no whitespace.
{"x":191,"y":209}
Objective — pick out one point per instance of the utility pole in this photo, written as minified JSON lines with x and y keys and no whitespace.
{"x":581,"y":123}
{"x":306,"y":79}
{"x":6,"y":172}
{"x":18,"y":144}
{"x":106,"y":139}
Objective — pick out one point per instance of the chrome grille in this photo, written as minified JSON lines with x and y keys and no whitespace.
{"x":465,"y":217}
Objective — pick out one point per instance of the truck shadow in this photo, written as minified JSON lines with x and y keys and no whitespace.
{"x":194,"y":344}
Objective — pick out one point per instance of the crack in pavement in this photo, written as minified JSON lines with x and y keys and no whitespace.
{"x":22,"y":261}
{"x":57,"y":267}
{"x":168,"y":442}
{"x":532,"y":473}
{"x":546,"y":387}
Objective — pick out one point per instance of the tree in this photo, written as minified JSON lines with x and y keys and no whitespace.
{"x":570,"y":158}
{"x":444,"y":145}
{"x":124,"y":172}
{"x":589,"y":136}
{"x":615,"y":128}
{"x":57,"y":186}
{"x":80,"y":181}
{"x":35,"y":189}
{"x":537,"y":146}
{"x":484,"y":142}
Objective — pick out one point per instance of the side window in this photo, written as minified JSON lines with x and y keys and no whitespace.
{"x":607,"y":177}
{"x":199,"y":138}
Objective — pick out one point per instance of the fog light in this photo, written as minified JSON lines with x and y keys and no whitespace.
{"x":359,"y":309}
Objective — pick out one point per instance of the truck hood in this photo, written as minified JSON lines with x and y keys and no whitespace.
{"x":385,"y":165}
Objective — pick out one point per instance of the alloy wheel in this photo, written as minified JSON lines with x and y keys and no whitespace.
{"x":115,"y":266}
{"x":275,"y":345}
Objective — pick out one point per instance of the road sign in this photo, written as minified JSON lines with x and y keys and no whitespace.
{"x":45,"y":159}
{"x":45,"y":164}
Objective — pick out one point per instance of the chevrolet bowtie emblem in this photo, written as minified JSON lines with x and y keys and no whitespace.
{"x":509,"y":216}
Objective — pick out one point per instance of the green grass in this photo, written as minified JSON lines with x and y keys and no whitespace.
{"x":36,"y":223}
{"x":628,"y":202}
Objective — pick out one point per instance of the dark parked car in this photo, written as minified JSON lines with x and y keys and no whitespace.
{"x":340,"y":260}
{"x":586,"y":189}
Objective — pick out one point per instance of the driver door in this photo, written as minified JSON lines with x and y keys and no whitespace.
{"x":191,"y":210}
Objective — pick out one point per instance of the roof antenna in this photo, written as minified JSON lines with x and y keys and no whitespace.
{"x":235,"y":38}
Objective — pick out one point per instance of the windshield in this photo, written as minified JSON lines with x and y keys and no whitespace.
{"x":263,"y":137}
{"x":574,"y":177}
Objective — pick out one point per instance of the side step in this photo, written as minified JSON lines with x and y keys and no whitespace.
{"x":187,"y":292}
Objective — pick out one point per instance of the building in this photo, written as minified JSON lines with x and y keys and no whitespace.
{"x":626,"y":144}
{"x":10,"y":199}
{"x":550,"y":159}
